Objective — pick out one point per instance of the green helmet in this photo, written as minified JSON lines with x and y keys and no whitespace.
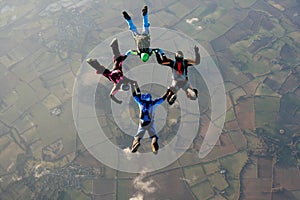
{"x":144,"y":57}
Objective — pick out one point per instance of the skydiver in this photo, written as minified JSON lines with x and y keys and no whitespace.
{"x":146,"y":122}
{"x":142,"y":40}
{"x":115,"y":75}
{"x":179,"y":73}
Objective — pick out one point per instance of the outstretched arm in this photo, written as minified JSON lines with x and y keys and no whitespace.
{"x":136,"y":92}
{"x":162,"y":58}
{"x":197,"y":57}
{"x":162,"y":99}
{"x":134,"y":52}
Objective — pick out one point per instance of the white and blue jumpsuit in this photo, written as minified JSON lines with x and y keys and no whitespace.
{"x":147,"y":109}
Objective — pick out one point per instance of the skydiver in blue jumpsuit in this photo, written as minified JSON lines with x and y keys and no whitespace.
{"x":146,"y":123}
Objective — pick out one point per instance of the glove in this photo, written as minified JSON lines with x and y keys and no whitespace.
{"x":196,"y":49}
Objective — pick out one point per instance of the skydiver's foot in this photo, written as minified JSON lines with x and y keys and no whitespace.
{"x":154,"y":145}
{"x":145,"y":10}
{"x":196,"y":92}
{"x":91,"y":60}
{"x":135,"y":145}
{"x":126,"y":16}
{"x":172,"y":99}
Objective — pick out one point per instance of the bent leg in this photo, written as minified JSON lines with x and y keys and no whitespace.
{"x":114,"y":90}
{"x":151,"y":130}
{"x":130,"y":23}
{"x":190,"y":92}
{"x":146,"y":25}
{"x":141,"y":132}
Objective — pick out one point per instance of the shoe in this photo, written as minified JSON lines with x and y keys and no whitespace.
{"x":126,"y":16}
{"x":135,"y":145}
{"x":196,"y":92}
{"x":91,"y":60}
{"x":172,"y":99}
{"x":114,"y":42}
{"x":154,"y":145}
{"x":145,"y":10}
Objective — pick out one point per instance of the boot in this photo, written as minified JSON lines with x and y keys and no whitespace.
{"x":145,"y":10}
{"x":135,"y":145}
{"x":126,"y":16}
{"x":154,"y":145}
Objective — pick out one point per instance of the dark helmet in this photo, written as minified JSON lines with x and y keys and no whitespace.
{"x":146,"y":97}
{"x":179,"y":55}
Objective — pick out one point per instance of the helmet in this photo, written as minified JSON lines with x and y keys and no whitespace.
{"x":146,"y":97}
{"x":144,"y":57}
{"x":179,"y":56}
{"x":125,"y":86}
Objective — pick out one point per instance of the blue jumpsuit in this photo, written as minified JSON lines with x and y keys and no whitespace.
{"x":147,"y":109}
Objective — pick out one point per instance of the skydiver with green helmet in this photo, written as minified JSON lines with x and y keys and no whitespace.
{"x":142,"y":40}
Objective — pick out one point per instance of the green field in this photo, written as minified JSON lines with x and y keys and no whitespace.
{"x":194,"y":174}
{"x":234,"y":164}
{"x":211,"y":167}
{"x":203,"y":190}
{"x":264,"y":90}
{"x":266,"y":112}
{"x":218,"y":181}
{"x":245,"y":4}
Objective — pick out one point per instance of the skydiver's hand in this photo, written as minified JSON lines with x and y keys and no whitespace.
{"x":196,"y":49}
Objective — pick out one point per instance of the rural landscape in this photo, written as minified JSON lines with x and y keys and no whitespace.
{"x":256,"y":46}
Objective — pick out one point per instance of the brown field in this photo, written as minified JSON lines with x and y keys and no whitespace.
{"x":170,"y":181}
{"x":238,"y":139}
{"x":251,"y":87}
{"x":284,"y":195}
{"x":125,"y":189}
{"x":226,"y":147}
{"x":232,"y":125}
{"x":264,"y":168}
{"x":237,"y":93}
{"x":256,"y":189}
{"x":245,"y":113}
{"x":290,"y":84}
{"x":189,"y":158}
{"x":85,"y":159}
{"x":287,"y":178}
{"x":104,"y":186}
